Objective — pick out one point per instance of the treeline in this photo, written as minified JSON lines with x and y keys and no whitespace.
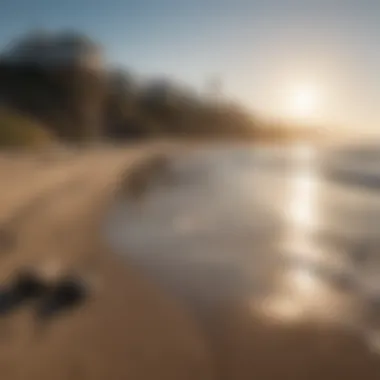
{"x":79,"y":103}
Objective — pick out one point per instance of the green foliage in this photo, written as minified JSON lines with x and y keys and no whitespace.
{"x":19,"y":131}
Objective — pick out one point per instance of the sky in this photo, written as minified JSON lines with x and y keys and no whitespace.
{"x":303,"y":60}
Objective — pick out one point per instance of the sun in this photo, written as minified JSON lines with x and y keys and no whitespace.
{"x":302,"y":102}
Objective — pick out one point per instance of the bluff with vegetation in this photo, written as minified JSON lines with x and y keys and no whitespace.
{"x":19,"y":131}
{"x":61,"y":81}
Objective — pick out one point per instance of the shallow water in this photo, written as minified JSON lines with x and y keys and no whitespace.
{"x":291,"y":234}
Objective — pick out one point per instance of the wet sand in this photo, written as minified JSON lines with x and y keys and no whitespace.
{"x":214,"y":232}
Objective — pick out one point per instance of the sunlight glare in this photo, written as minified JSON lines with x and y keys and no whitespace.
{"x":302,"y":102}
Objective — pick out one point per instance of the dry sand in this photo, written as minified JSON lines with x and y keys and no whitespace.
{"x":128,"y":329}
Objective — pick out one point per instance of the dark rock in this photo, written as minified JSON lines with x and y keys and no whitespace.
{"x":67,"y":294}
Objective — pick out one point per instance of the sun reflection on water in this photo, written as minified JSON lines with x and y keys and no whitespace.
{"x":299,"y":291}
{"x":303,"y":190}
